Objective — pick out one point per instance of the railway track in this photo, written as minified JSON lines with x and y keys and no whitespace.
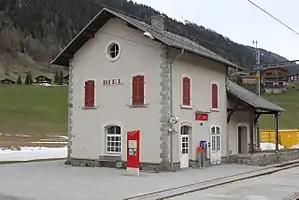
{"x":178,"y":191}
{"x":293,"y":197}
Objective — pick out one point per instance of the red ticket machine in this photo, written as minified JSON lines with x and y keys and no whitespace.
{"x":133,"y":142}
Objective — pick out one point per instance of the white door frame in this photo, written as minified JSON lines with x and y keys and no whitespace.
{"x":247,"y":134}
{"x":185,"y":151}
{"x":215,"y":155}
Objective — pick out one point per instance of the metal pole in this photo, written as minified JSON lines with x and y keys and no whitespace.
{"x":258,"y":89}
{"x":276,"y":131}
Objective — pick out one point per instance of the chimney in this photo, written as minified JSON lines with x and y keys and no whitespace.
{"x":158,"y":22}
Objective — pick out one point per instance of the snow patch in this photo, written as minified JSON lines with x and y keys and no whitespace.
{"x":50,"y":142}
{"x":270,"y":146}
{"x":32,"y":153}
{"x":296,"y":146}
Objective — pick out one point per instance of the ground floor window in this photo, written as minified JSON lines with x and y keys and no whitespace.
{"x":113,"y":139}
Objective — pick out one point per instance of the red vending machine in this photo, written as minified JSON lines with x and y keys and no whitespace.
{"x":133,"y":142}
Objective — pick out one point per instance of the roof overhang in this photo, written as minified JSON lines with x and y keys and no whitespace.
{"x":99,"y":20}
{"x":252,"y":99}
{"x":81,"y":38}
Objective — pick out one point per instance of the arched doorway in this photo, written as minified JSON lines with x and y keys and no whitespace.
{"x":242,"y":139}
{"x":185,"y":133}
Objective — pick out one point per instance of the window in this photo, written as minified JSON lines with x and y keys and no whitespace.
{"x":185,"y":130}
{"x":215,"y":97}
{"x":186,"y":91}
{"x":113,"y":139}
{"x":89,"y":94}
{"x":215,"y":130}
{"x":138,"y":90}
{"x":113,"y":50}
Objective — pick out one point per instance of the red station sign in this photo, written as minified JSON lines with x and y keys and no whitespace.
{"x":201,"y":117}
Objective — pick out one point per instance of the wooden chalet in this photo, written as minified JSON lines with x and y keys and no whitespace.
{"x":7,"y":81}
{"x":274,"y":79}
{"x":42,"y":79}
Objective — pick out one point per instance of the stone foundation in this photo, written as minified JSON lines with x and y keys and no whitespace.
{"x":264,"y":159}
{"x":150,"y":167}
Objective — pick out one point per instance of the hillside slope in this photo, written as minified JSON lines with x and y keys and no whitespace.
{"x":40,"y":29}
{"x":288,"y":119}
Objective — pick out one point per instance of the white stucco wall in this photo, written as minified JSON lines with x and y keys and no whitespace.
{"x":142,"y":56}
{"x":139,"y":55}
{"x":202,"y":73}
{"x":239,"y":118}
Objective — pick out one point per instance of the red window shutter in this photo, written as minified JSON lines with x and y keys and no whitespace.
{"x":138,"y":90}
{"x":214,"y":96}
{"x":89,"y":93}
{"x":186,"y":91}
{"x":86,"y":95}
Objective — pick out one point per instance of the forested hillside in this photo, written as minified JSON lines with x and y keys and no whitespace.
{"x":36,"y":30}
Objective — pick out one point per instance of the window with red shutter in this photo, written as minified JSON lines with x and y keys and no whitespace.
{"x":138,"y":90}
{"x":214,"y":96}
{"x":89,"y":100}
{"x":186,"y":91}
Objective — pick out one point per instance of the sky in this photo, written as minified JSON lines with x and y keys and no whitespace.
{"x":240,"y":21}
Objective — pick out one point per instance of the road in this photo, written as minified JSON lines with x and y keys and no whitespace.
{"x":277,"y":186}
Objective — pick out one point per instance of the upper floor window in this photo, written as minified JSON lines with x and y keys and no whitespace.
{"x":215,"y":96}
{"x":186,"y":87}
{"x":138,"y":87}
{"x":113,"y":51}
{"x":89,"y":97}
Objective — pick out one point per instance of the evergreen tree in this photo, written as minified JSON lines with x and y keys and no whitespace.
{"x":53,"y":23}
{"x":28,"y":79}
{"x":61,"y":78}
{"x":19,"y":80}
{"x":56,"y":78}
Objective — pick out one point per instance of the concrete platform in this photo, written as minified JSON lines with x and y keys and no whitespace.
{"x":264,"y":159}
{"x":55,"y":180}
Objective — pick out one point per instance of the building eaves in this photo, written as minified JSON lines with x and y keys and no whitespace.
{"x":252,"y":99}
{"x":170,"y":39}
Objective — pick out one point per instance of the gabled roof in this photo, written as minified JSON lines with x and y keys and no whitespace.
{"x":7,"y":79}
{"x":42,"y":76}
{"x":251,"y":98}
{"x":165,"y":37}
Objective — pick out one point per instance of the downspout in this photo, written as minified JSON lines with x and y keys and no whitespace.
{"x":171,"y":105}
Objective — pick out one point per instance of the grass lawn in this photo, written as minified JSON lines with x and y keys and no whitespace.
{"x":290,"y":102}
{"x":33,"y":109}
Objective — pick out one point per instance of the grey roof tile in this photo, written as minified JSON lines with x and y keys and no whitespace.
{"x":251,"y":98}
{"x":175,"y":40}
{"x":165,"y":37}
